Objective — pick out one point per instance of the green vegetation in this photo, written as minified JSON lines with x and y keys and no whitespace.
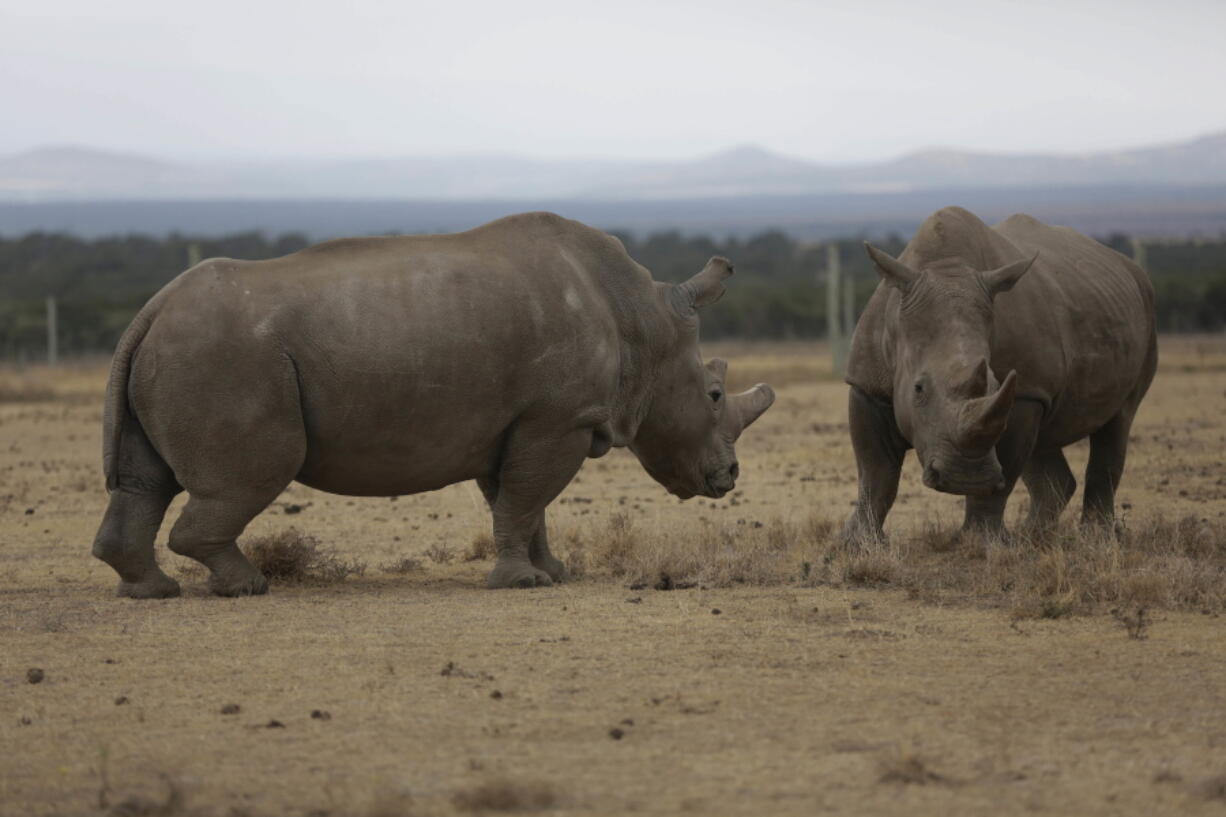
{"x":100,"y":284}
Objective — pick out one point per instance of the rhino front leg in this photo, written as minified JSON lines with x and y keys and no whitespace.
{"x":879,"y":447}
{"x":536,"y":466}
{"x":538,"y":549}
{"x":1051,"y":485}
{"x":986,"y":514}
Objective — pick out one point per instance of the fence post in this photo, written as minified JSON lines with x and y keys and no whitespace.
{"x":1138,"y":254}
{"x":53,"y":338}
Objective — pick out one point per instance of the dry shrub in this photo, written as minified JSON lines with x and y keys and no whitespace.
{"x":405,"y":565}
{"x":481,"y":549}
{"x":440,"y":554}
{"x":1155,"y":563}
{"x":506,"y":795}
{"x":293,"y":557}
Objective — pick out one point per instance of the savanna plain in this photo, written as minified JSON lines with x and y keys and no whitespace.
{"x":709,"y":657}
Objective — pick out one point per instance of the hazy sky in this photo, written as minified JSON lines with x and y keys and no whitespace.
{"x":830,"y":81}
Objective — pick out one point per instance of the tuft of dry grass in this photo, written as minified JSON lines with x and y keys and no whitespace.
{"x":440,"y":554}
{"x":506,"y":795}
{"x":402,"y":566}
{"x":909,"y":768}
{"x":294,"y":557}
{"x":1154,"y":563}
{"x":481,"y":548}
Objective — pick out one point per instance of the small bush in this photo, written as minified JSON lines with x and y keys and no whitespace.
{"x":294,"y":557}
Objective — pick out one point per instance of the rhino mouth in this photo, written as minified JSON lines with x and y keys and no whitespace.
{"x":981,"y":478}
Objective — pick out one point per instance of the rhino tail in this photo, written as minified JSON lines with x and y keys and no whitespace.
{"x":115,"y":409}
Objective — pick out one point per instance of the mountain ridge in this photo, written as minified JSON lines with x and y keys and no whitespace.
{"x":81,"y":173}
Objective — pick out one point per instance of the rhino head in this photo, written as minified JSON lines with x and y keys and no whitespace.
{"x":686,"y":439}
{"x":947,"y":400}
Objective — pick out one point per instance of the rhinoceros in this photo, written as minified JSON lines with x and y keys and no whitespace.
{"x":988,"y":350}
{"x":395,"y":365}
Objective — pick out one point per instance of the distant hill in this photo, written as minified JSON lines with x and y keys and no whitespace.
{"x":82,"y":174}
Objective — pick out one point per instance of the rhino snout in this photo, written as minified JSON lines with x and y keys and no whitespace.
{"x":723,"y":480}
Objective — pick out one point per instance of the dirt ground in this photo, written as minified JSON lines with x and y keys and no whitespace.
{"x":408,"y":689}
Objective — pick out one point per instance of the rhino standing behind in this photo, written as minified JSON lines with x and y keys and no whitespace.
{"x":385,"y":366}
{"x":989,"y":349}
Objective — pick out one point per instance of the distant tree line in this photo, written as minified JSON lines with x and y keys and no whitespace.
{"x":778,"y":293}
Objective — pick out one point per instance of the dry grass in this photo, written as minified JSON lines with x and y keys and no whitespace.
{"x":978,"y":662}
{"x":291,"y":556}
{"x":1154,"y":563}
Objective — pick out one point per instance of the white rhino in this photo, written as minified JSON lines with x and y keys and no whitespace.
{"x":385,"y":366}
{"x":990,"y":349}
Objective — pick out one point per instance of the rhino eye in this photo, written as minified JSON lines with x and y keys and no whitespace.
{"x":919,"y":388}
{"x":715,"y":394}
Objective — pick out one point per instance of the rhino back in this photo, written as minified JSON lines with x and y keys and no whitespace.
{"x":1079,"y":327}
{"x":413,"y":355}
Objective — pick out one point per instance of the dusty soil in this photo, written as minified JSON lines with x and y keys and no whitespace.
{"x":417,"y":692}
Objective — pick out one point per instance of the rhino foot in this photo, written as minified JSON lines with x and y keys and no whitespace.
{"x":157,"y":586}
{"x":234,"y":583}
{"x":553,"y":566}
{"x":519,"y":573}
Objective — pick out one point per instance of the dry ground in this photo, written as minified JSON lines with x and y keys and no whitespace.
{"x":782,"y":676}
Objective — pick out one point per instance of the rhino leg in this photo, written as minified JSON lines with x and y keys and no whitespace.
{"x":1051,"y":485}
{"x":133,"y":516}
{"x":879,"y":449}
{"x":985,"y":515}
{"x":1108,"y":448}
{"x":538,"y":548}
{"x":536,"y":466}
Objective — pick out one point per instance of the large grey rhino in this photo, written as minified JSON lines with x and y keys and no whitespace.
{"x":395,"y":365}
{"x":989,"y":349}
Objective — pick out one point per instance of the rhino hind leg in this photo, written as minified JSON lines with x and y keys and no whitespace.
{"x":1108,"y":449}
{"x":133,"y":516}
{"x":536,"y":465}
{"x":208,"y":530}
{"x":1051,"y":485}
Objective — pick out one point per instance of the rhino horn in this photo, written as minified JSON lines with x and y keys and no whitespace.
{"x":1003,"y":278}
{"x":750,"y":405}
{"x":892,"y":271}
{"x":703,"y":289}
{"x":983,"y":419}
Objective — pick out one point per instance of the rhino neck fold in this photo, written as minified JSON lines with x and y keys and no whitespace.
{"x":648,"y":339}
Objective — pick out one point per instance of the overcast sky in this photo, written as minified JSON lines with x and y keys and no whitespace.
{"x":828,"y":81}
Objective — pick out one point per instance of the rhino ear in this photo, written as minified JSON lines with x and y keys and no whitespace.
{"x":892,"y":271}
{"x":718,"y":367}
{"x":703,"y":289}
{"x":1003,"y":278}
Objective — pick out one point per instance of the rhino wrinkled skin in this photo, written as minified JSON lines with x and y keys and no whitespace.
{"x":387,"y":366}
{"x":989,"y":349}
